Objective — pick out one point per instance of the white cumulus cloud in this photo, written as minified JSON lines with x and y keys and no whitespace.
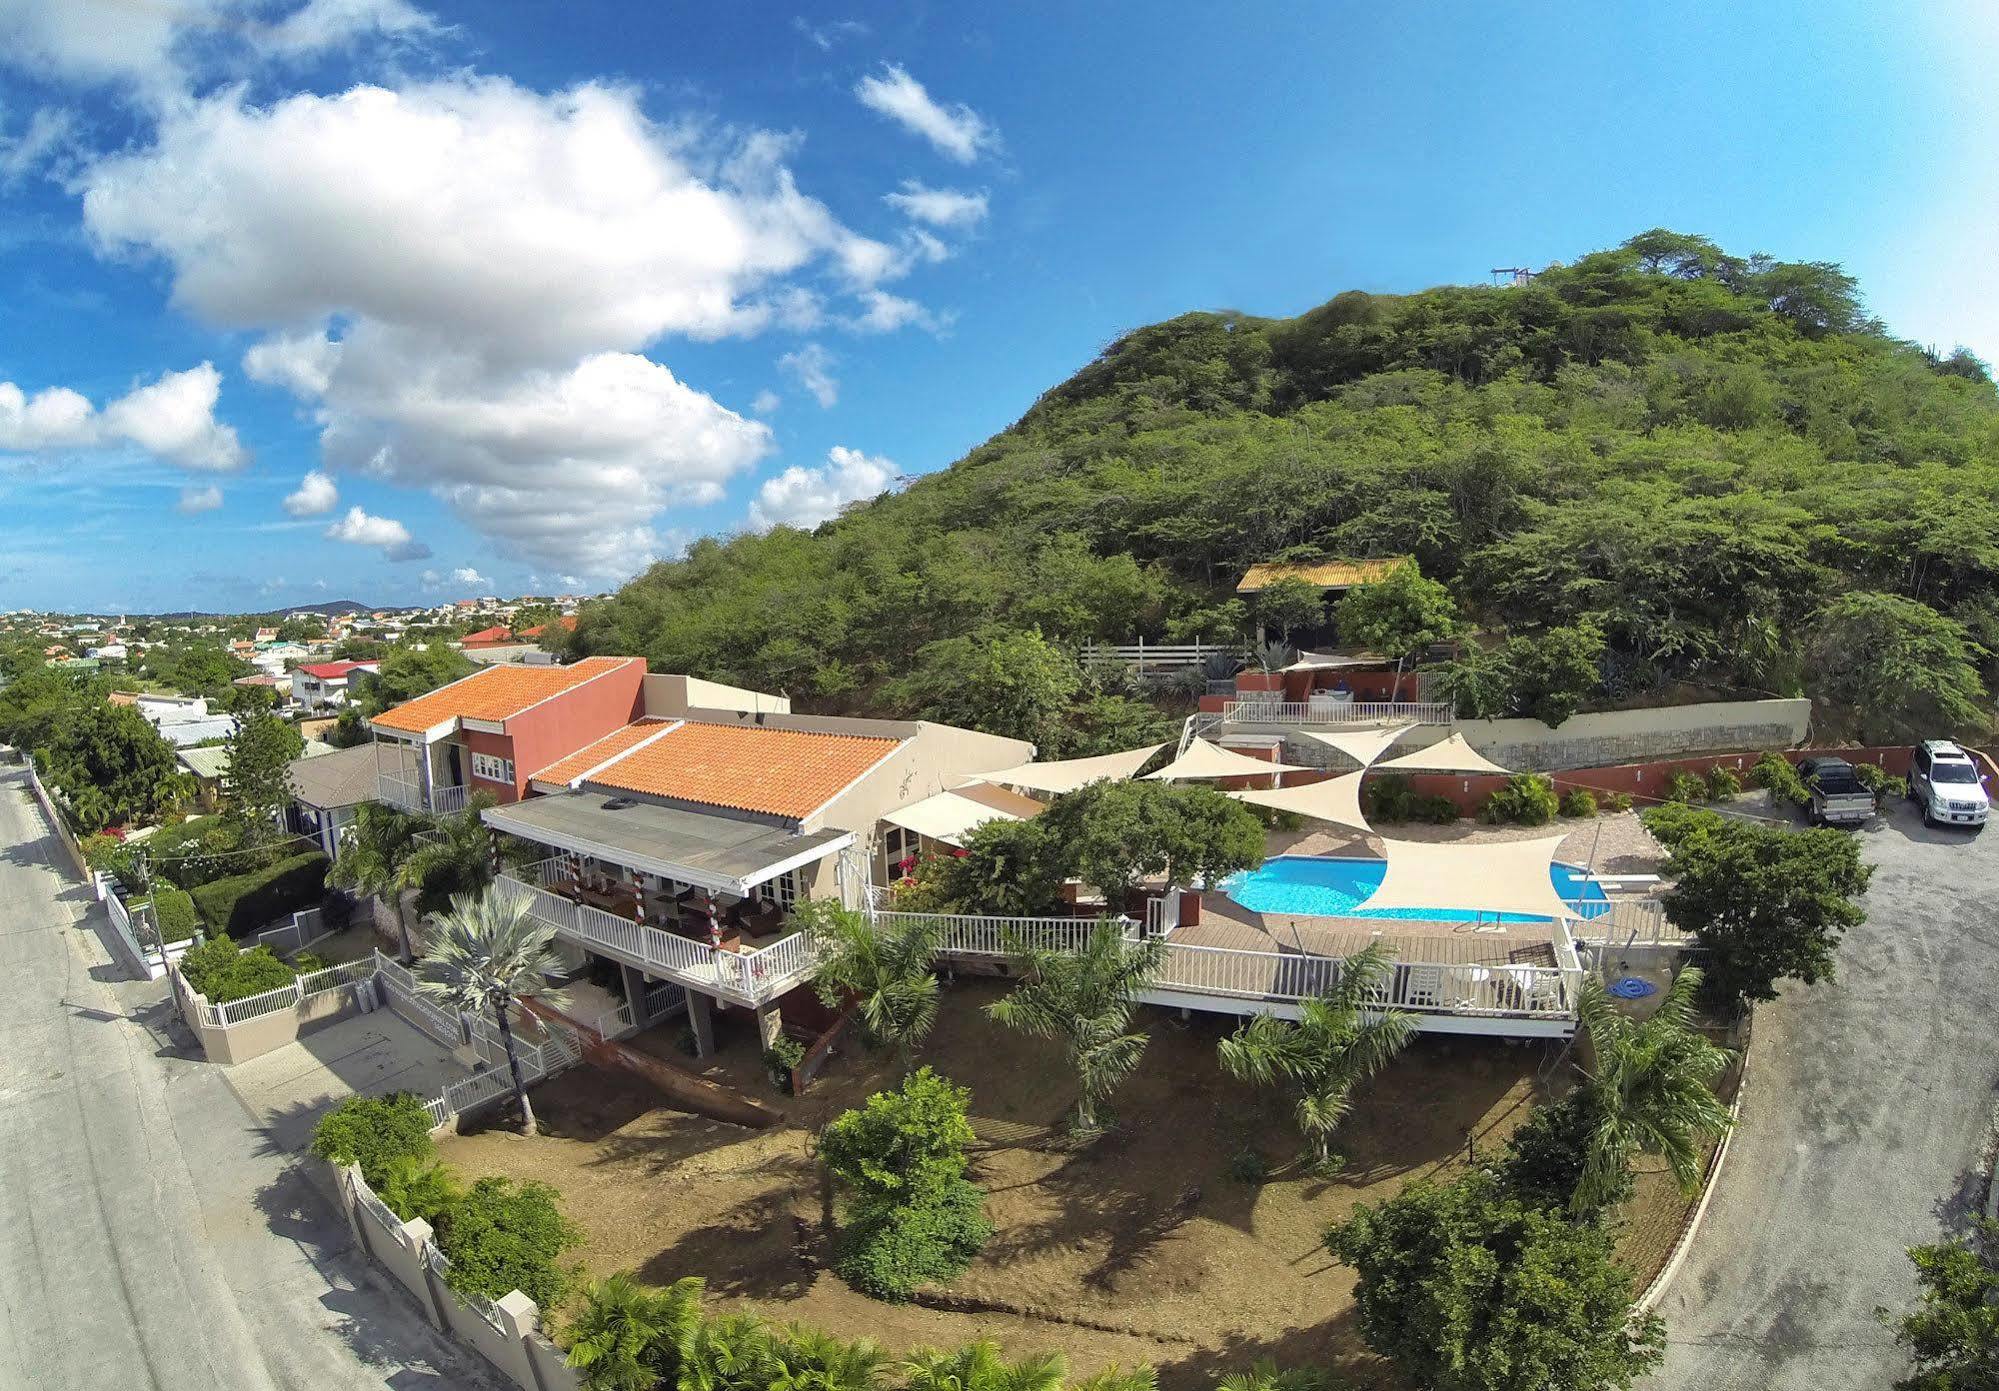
{"x":804,"y":497}
{"x":812,"y":368}
{"x":199,"y":499}
{"x":172,"y":418}
{"x":330,"y":24}
{"x":957,"y":131}
{"x":939,"y":207}
{"x":466,"y":575}
{"x":317,"y":494}
{"x":362,"y":529}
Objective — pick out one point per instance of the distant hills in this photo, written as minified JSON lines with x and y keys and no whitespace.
{"x":329,"y":608}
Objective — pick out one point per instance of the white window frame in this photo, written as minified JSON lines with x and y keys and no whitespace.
{"x":490,"y":767}
{"x":786,"y":890}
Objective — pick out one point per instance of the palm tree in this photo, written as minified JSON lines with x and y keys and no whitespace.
{"x":809,"y":1360}
{"x":1264,"y":1376}
{"x":491,"y":951}
{"x":736,"y":1352}
{"x":1115,"y":1378}
{"x":1341,"y":1038}
{"x":454,"y":855}
{"x":1083,"y":999}
{"x":631,"y":1337}
{"x":371,"y":861}
{"x":886,"y":972}
{"x":1652,"y":1086}
{"x":978,"y":1366}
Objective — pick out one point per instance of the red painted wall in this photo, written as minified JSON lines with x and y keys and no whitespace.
{"x":558,"y":727}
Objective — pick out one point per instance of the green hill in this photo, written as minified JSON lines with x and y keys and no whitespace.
{"x":1718,"y":463}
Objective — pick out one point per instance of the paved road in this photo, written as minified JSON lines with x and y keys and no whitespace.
{"x":150,"y":1238}
{"x":1868,"y":1107}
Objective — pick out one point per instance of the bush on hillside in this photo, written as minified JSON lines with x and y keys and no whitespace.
{"x":376,"y":1132}
{"x":503,"y":1236}
{"x":888,"y":1250}
{"x":1682,"y":786}
{"x":1880,"y":782}
{"x":198,"y":851}
{"x":1528,"y":799}
{"x":1390,"y":798}
{"x":1545,"y":1158}
{"x":243,"y":904}
{"x":222,"y":972}
{"x":1671,"y":823}
{"x":1579,"y":801}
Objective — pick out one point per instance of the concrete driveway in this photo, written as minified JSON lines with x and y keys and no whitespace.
{"x":1864,"y":1124}
{"x":289,"y":1088}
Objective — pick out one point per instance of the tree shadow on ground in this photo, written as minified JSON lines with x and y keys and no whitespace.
{"x":753,"y":1250}
{"x":1333,"y":1346}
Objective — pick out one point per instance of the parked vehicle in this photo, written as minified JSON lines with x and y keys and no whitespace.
{"x":1945,"y":782}
{"x":1839,"y":797}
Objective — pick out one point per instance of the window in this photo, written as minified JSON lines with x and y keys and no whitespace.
{"x":898,"y":845}
{"x":785,"y":890}
{"x":491,"y":768}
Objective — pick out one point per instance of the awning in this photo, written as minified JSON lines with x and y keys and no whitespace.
{"x":1487,"y":877}
{"x":1066,"y":775}
{"x":1205,"y":760}
{"x":1452,"y":755}
{"x":722,"y":853}
{"x":1363,"y":746}
{"x":950,"y":816}
{"x":1336,"y":661}
{"x":1336,"y":800}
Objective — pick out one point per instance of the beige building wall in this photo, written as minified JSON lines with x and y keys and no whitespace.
{"x":670,"y":697}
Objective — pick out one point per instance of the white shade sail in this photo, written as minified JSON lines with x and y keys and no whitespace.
{"x":949,"y":816}
{"x":1066,"y":775}
{"x":1452,"y":755}
{"x":1488,"y":877}
{"x":1333,"y":661}
{"x":1363,"y":746}
{"x":1336,"y":800}
{"x":1206,"y":760}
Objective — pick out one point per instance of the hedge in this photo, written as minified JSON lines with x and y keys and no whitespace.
{"x":173,"y":910}
{"x":245,"y":903}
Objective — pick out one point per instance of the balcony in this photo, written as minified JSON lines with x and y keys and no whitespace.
{"x":400,"y":792}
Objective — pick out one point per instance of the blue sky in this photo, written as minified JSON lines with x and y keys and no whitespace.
{"x":312,"y":299}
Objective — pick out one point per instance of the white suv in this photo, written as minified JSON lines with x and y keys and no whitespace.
{"x":1945,"y":783}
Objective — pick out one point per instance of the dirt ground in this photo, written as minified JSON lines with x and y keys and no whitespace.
{"x":1140,"y":1248}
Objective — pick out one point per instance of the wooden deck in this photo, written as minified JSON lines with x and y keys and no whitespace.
{"x":1227,"y":924}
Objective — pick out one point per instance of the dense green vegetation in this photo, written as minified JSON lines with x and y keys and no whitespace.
{"x":1715,"y":466}
{"x":222,"y":972}
{"x":243,"y":904}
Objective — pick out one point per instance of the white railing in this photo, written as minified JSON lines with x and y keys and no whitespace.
{"x":426,"y":1016}
{"x":307,"y":926}
{"x":1622,"y":922}
{"x":537,"y":1063}
{"x":1420,"y":987}
{"x":334,"y":977}
{"x":662,"y":997}
{"x":398,"y":792}
{"x":1291,"y":712}
{"x":747,"y":977}
{"x":449,"y":799}
{"x":965,"y":934}
{"x":229,"y":1013}
{"x":1150,"y":656}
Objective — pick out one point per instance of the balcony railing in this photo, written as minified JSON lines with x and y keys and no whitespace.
{"x":1291,"y":712}
{"x":752,"y":977}
{"x":401,"y":792}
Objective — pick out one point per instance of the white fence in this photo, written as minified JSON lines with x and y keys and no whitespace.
{"x":401,"y":792}
{"x":307,"y":926}
{"x":1148,"y":656}
{"x":292,"y":996}
{"x":965,"y":934}
{"x":1319,"y":712}
{"x":743,"y":977}
{"x":496,"y":1081}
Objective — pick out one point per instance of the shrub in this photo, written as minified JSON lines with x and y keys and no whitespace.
{"x":173,"y":910}
{"x":914,"y":1218}
{"x":1672,"y":822}
{"x":198,"y":851}
{"x":244,"y":903}
{"x":376,"y":1132}
{"x":1528,"y":799}
{"x":118,"y":858}
{"x":1722,"y":783}
{"x":1620,"y":801}
{"x":414,"y":1187}
{"x":1682,"y":786}
{"x":1391,"y":799}
{"x":891,"y":1248}
{"x":1579,"y":801}
{"x":781,"y":1059}
{"x":1778,"y":776}
{"x":1544,"y":1158}
{"x":222,"y":972}
{"x":502,"y":1236}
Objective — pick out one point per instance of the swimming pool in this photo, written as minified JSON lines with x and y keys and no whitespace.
{"x":1329,"y":886}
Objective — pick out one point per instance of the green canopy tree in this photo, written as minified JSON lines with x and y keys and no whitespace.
{"x":1289,"y":603}
{"x":1953,"y":1332}
{"x":256,"y":775}
{"x":372,"y":857}
{"x":111,"y":765}
{"x":1113,"y":834}
{"x":1466,"y":1288}
{"x":409,"y":671}
{"x":1397,"y":615}
{"x":1011,"y":683}
{"x":491,"y":952}
{"x":1902,"y":668}
{"x":1340,"y":1039}
{"x":1083,"y":1000}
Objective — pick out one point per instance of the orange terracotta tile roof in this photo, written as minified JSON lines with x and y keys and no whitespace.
{"x":496,"y":693}
{"x":568,"y":622}
{"x":779,"y":772}
{"x":603,"y":751}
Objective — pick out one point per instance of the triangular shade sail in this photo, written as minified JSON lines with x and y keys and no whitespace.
{"x":1336,"y":800}
{"x":1066,"y":775}
{"x":950,"y":816}
{"x":1363,"y":746}
{"x":1452,"y":755}
{"x":1206,"y":760}
{"x":1333,"y":661}
{"x":1489,"y":877}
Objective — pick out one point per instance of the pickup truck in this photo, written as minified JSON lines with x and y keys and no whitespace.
{"x":1839,"y":798}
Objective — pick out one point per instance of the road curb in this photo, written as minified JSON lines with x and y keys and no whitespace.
{"x":1656,"y":1291}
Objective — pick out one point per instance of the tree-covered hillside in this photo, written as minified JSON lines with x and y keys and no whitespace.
{"x":1718,"y":464}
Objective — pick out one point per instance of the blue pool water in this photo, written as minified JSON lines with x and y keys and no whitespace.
{"x":1329,"y":886}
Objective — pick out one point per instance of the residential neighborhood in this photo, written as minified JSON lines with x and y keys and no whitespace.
{"x":1237,"y":699}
